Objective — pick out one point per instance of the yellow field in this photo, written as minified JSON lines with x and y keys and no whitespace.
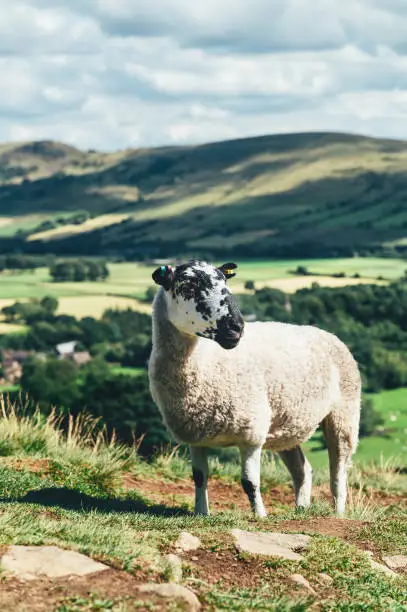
{"x":95,"y":305}
{"x":82,"y":306}
{"x":69,"y":230}
{"x":10,"y":328}
{"x":5,"y":221}
{"x":293,"y":284}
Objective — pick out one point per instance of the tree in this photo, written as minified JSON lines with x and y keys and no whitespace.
{"x":49,"y":304}
{"x":51,"y":383}
{"x":62,"y":271}
{"x":370,"y":418}
{"x":249,"y":285}
{"x":94,"y":271}
{"x":80,"y":271}
{"x":150,"y":294}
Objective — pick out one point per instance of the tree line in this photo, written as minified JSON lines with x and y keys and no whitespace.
{"x":79,"y":270}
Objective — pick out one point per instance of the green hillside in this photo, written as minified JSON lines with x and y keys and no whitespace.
{"x":295,"y":194}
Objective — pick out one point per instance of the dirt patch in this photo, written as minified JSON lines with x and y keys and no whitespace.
{"x":345,"y":529}
{"x":335,"y":527}
{"x":47,"y":595}
{"x":222,"y":495}
{"x":382,"y":498}
{"x":226,"y":567}
{"x":36,"y":466}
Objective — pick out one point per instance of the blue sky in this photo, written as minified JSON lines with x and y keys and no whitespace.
{"x":111,"y":74}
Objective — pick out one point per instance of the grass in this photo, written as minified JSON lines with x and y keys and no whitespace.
{"x":7,"y":388}
{"x":67,"y":490}
{"x":127,"y":371}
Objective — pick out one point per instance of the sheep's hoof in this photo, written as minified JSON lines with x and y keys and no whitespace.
{"x":201,"y":513}
{"x":260,"y":514}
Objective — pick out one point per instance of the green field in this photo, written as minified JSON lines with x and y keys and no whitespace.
{"x":125,"y":371}
{"x":132,"y":279}
{"x":367,"y":267}
{"x":391,"y":445}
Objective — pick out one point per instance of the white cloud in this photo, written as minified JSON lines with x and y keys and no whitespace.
{"x":115,"y":73}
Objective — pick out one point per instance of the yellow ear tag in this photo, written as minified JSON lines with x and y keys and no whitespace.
{"x":227,"y":272}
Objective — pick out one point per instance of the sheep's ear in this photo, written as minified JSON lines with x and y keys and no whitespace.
{"x":227,"y":268}
{"x":164,"y":276}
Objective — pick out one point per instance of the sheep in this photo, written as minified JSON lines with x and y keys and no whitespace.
{"x":221,"y":382}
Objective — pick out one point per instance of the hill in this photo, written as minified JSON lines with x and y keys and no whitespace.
{"x":310,"y":194}
{"x":81,"y":493}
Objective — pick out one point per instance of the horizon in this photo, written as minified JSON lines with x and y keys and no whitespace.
{"x":18,"y":143}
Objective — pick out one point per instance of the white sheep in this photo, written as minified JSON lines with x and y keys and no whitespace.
{"x":272,"y":390}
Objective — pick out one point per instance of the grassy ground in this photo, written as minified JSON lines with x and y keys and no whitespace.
{"x":101,"y":499}
{"x":127,"y":371}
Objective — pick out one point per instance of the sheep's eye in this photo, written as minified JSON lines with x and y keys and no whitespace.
{"x":187,"y":291}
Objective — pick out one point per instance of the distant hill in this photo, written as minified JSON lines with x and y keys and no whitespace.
{"x":308,"y":194}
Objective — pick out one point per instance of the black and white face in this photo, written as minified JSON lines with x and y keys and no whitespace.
{"x":200,"y":303}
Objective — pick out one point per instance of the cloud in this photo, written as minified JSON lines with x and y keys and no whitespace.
{"x":115,"y":73}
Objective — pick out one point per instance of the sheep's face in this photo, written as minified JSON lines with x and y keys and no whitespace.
{"x":200,"y":303}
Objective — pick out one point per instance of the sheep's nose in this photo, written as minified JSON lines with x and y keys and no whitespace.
{"x":237,"y":326}
{"x":233,"y":334}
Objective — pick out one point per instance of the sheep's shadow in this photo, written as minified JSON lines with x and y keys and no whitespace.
{"x":70,"y":499}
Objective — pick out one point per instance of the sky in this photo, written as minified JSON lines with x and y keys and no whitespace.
{"x":111,"y":74}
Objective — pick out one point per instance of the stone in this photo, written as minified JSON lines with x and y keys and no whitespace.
{"x":283,"y":545}
{"x":187,"y":542}
{"x":31,"y":562}
{"x":325,"y":578}
{"x":302,"y":582}
{"x":172,"y":568}
{"x":173,"y":591}
{"x":396,"y":562}
{"x":383,"y":568}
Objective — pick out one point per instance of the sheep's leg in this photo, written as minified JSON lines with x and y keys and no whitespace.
{"x":251,"y":457}
{"x":301,"y":473}
{"x":200,"y":472}
{"x":341,"y":436}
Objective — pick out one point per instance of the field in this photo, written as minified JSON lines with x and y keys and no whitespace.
{"x":390,"y":446}
{"x":128,"y":282}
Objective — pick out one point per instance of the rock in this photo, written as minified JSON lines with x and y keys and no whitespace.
{"x":383,"y":568}
{"x":171,"y":592}
{"x":187,"y":541}
{"x":325,"y":578}
{"x":30,"y":562}
{"x":271,"y":544}
{"x":172,"y":568}
{"x":303,"y":582}
{"x":379,"y":566}
{"x":396,"y":562}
